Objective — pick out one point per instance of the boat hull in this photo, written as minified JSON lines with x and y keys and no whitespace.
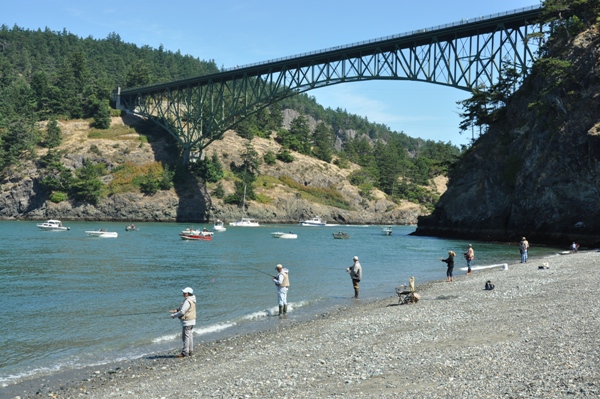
{"x":192,"y":237}
{"x":102,"y":234}
{"x":287,"y":236}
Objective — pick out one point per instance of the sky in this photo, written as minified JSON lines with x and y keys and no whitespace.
{"x":241,"y":32}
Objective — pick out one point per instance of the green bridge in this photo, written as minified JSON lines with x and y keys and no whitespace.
{"x":466,"y":55}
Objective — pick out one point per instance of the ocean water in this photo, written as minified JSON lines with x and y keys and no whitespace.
{"x":69,"y":300}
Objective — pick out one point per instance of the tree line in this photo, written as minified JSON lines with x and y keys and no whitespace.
{"x":47,"y":75}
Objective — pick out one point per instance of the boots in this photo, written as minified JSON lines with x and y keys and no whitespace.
{"x":356,"y":293}
{"x":280,"y":310}
{"x":285,"y":309}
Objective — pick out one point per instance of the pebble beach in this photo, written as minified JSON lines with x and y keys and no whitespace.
{"x":534,"y":336}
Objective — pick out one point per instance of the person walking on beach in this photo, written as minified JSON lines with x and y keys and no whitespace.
{"x":187,"y":314}
{"x":469,"y":256}
{"x":523,"y":247}
{"x":450,"y":262}
{"x":282,"y":281}
{"x":355,"y":274}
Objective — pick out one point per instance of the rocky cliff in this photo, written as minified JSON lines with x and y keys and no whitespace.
{"x":21,"y":196}
{"x":536,"y":173}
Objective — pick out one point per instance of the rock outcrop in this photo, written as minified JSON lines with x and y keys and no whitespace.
{"x":537,"y":172}
{"x":22,"y":197}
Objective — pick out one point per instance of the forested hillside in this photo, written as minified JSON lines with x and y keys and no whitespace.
{"x":49,"y":76}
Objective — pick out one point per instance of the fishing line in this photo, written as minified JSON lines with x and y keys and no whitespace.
{"x":260,"y":271}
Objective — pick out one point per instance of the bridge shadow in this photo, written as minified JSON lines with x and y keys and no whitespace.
{"x":193,"y":198}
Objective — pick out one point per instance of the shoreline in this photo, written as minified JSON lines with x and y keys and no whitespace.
{"x":533,"y":336}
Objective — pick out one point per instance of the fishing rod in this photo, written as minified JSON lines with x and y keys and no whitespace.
{"x":260,"y":271}
{"x":134,"y":314}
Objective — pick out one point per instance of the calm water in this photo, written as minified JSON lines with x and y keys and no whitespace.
{"x":70,"y":300}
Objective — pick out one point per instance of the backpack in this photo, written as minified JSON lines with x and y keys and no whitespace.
{"x":489,"y":286}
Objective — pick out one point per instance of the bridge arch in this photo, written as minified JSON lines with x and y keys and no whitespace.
{"x":463,"y":55}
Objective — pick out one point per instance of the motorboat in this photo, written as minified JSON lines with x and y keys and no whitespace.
{"x":131,"y":227}
{"x":281,"y":234}
{"x":316,"y":221}
{"x":190,"y":234}
{"x":52,"y":225}
{"x":386,"y":230}
{"x":102,"y":233}
{"x":218,"y":225}
{"x":196,"y":232}
{"x":341,"y":235}
{"x":245,"y":222}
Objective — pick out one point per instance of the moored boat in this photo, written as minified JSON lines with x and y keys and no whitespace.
{"x":102,"y":233}
{"x":52,"y":225}
{"x":131,"y":227}
{"x":386,"y":230}
{"x":218,"y":225}
{"x":340,"y":235}
{"x":190,"y":234}
{"x":316,"y":221}
{"x":245,"y":222}
{"x":281,"y":234}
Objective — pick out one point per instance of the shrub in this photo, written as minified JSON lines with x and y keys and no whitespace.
{"x":285,"y":156}
{"x":58,"y":196}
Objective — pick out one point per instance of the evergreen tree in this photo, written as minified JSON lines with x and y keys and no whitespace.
{"x":323,"y":142}
{"x":101,"y":115}
{"x":53,"y":134}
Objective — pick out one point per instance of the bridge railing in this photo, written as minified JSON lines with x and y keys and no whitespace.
{"x":396,"y":36}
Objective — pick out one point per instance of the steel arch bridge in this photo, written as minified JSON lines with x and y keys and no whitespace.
{"x":466,"y":55}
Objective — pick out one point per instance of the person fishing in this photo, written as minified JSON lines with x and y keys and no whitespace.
{"x":282,"y":281}
{"x":355,"y":274}
{"x":187,"y":314}
{"x":450,"y":261}
{"x":469,"y":256}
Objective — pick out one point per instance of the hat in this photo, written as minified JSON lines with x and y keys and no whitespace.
{"x":355,"y":258}
{"x":187,"y":290}
{"x":279,"y":266}
{"x":470,"y":245}
{"x":523,"y":239}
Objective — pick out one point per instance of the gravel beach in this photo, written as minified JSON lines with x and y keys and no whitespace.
{"x":534,"y":336}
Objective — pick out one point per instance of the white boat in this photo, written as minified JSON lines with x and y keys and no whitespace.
{"x":502,"y":265}
{"x":191,"y":234}
{"x":218,"y":225}
{"x":386,"y":230}
{"x":51,"y":224}
{"x":244,"y":221}
{"x":281,"y":234}
{"x":316,"y":221}
{"x":196,"y":232}
{"x":102,"y":233}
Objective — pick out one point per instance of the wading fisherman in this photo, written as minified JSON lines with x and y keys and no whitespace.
{"x":282,"y":281}
{"x":355,"y":274}
{"x":187,"y":314}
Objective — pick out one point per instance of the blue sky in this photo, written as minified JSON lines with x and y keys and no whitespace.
{"x":239,"y":32}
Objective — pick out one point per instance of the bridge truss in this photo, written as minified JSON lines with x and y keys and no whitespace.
{"x":466,"y":55}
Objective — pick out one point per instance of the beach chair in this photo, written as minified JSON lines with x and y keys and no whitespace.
{"x":406,"y":293}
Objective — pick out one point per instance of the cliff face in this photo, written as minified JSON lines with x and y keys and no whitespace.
{"x":537,"y":172}
{"x":21,"y":196}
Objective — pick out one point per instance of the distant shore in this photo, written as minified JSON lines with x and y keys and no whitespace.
{"x":534,"y":336}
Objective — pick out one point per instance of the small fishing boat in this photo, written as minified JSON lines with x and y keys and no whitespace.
{"x":281,"y":234}
{"x":194,"y":232}
{"x":204,"y":235}
{"x":340,"y":235}
{"x":131,"y":227}
{"x":52,"y":225}
{"x":218,"y":226}
{"x":316,"y":221}
{"x":386,"y":230}
{"x":102,"y":233}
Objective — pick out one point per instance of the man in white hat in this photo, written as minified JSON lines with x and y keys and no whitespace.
{"x":282,"y":281}
{"x":355,"y":274}
{"x":187,"y":314}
